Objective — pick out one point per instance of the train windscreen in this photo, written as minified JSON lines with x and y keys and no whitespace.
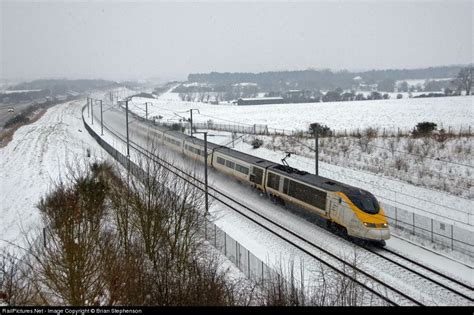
{"x":365,"y":201}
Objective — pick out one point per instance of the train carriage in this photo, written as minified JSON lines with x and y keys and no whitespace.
{"x":344,"y":207}
{"x":243,"y":166}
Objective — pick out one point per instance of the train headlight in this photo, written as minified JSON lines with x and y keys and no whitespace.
{"x":385,"y":225}
{"x":369,"y":225}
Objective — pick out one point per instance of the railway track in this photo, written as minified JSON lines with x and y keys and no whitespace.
{"x":393,"y":295}
{"x":451,"y":284}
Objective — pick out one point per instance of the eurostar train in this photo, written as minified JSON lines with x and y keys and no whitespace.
{"x":347,"y":209}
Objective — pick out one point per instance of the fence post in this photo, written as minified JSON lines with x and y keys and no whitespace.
{"x":396,"y":220}
{"x":44,"y":237}
{"x":413,"y":213}
{"x":215,"y":235}
{"x":237,"y":258}
{"x":225,"y":244}
{"x":452,"y":237}
{"x":431,"y":229}
{"x":248,"y":262}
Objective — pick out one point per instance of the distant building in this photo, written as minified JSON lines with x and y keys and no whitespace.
{"x":260,"y":101}
{"x":295,"y":94}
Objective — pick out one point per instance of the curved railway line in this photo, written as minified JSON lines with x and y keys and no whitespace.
{"x":438,"y":283}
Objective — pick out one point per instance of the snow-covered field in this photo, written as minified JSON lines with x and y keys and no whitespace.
{"x":38,"y":155}
{"x":455,"y":112}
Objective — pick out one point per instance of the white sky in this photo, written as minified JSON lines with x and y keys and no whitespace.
{"x":142,"y":39}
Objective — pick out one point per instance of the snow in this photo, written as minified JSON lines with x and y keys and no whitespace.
{"x":455,"y":112}
{"x":415,"y":82}
{"x":38,"y":155}
{"x":40,"y":152}
{"x":399,"y":193}
{"x":269,"y":248}
{"x":19,"y":91}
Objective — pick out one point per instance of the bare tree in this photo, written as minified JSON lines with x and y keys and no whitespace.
{"x":464,"y":79}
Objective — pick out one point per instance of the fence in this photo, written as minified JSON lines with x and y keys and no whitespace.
{"x":438,"y":232}
{"x":241,"y":257}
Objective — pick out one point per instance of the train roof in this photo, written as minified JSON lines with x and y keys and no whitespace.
{"x":305,"y":177}
{"x":246,"y":157}
{"x":314,"y":180}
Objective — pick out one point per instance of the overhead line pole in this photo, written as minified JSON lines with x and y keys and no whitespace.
{"x":101,"y":120}
{"x":316,"y":150}
{"x":205,"y":172}
{"x":126,"y":122}
{"x":191,"y":122}
{"x":92,"y":111}
{"x":191,"y":110}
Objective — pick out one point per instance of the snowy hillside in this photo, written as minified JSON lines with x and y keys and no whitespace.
{"x":39,"y":155}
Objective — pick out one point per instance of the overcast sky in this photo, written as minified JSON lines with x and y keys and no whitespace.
{"x":131,"y":40}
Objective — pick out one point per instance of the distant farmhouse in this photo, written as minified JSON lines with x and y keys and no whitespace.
{"x":260,"y":101}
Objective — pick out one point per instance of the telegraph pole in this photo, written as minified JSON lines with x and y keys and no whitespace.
{"x":88,"y":108}
{"x":146,"y":110}
{"x":126,"y":119}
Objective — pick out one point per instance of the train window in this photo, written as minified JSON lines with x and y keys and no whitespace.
{"x":364,"y":200}
{"x":229,"y":164}
{"x":220,"y":161}
{"x":273,"y":181}
{"x":194,"y":150}
{"x":258,"y":175}
{"x":340,"y":200}
{"x":286,"y":184}
{"x":241,"y":169}
{"x":307,"y":194}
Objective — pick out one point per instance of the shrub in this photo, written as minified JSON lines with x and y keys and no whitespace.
{"x":17,"y":119}
{"x":257,"y":143}
{"x":371,"y":132}
{"x":322,"y":130}
{"x":176,"y":127}
{"x":424,"y":129}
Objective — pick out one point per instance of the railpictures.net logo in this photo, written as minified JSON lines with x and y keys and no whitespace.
{"x":72,"y":311}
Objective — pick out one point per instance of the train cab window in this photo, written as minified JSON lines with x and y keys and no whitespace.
{"x":220,"y":160}
{"x":229,"y":164}
{"x":340,"y":200}
{"x":364,"y":200}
